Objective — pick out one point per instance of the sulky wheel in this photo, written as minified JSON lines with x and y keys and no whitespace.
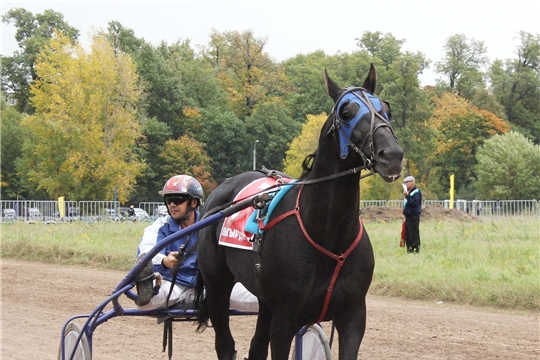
{"x":314,"y":345}
{"x":71,"y":335}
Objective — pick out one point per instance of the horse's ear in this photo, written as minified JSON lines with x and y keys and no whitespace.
{"x":371,"y":80}
{"x":334,"y":91}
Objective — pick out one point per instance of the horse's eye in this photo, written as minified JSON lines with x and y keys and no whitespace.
{"x":345,"y":111}
{"x":346,"y":115}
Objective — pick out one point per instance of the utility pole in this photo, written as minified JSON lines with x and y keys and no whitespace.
{"x":255,"y":154}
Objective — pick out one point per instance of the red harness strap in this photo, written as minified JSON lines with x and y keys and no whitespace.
{"x":339,"y":258}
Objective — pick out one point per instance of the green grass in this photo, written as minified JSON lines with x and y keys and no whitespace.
{"x":479,"y":263}
{"x":102,"y":245}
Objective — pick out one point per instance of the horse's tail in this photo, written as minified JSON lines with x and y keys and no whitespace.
{"x":200,"y":305}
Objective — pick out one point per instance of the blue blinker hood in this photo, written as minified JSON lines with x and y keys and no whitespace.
{"x":346,"y":128}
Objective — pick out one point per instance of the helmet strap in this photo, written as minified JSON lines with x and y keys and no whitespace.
{"x":188,"y":213}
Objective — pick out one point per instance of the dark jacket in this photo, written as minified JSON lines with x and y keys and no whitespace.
{"x":413,"y":202}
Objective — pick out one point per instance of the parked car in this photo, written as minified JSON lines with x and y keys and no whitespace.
{"x":9,"y":214}
{"x":141,"y":214}
{"x":162,"y":210}
{"x":122,"y":212}
{"x":33,"y":214}
{"x":72,"y":212}
{"x":69,"y":211}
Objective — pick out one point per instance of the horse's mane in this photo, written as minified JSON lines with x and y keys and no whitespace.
{"x":307,"y":165}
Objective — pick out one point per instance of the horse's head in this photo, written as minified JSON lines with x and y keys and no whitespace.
{"x":361,"y":123}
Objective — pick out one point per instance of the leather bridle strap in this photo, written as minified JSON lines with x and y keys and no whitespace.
{"x":339,"y":258}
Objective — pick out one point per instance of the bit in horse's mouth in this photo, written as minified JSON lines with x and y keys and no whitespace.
{"x":392,"y":177}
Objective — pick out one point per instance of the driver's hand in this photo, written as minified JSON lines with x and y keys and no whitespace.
{"x":170,"y":260}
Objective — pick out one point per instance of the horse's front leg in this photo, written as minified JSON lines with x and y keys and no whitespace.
{"x":282,"y":332}
{"x":258,"y":348}
{"x":351,"y":326}
{"x":218,"y":309}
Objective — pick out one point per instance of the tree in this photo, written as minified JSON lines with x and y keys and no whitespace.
{"x":245,"y":71}
{"x":462,"y":65}
{"x":516,"y":84}
{"x":84,"y":132}
{"x":164,"y":95}
{"x":382,"y":46}
{"x":224,"y":135}
{"x":375,"y":188}
{"x":305,"y":74}
{"x":33,"y":33}
{"x":11,"y":134}
{"x":460,"y":129}
{"x":149,"y":147}
{"x":508,"y":168}
{"x":271,"y":124}
{"x":304,"y":144}
{"x":186,"y":156}
{"x":411,"y":107}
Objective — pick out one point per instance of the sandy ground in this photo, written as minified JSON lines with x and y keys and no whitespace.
{"x":37,"y":299}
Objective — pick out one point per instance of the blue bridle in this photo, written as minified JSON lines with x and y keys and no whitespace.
{"x":368,"y":104}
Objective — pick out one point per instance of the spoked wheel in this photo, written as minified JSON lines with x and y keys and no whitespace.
{"x":70,"y":341}
{"x":314,"y":345}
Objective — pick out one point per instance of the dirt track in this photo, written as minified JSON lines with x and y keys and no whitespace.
{"x":38,"y":298}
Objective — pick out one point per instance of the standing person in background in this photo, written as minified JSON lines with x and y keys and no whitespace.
{"x":131,"y":211}
{"x":412,"y":207}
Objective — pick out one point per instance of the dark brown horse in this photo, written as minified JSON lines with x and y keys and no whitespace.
{"x":316,"y":260}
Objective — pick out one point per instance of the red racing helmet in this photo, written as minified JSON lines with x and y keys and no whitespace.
{"x":183,"y":185}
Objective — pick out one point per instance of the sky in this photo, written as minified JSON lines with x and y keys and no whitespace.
{"x":301,"y":27}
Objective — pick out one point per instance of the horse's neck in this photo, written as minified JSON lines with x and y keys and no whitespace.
{"x":335,"y":201}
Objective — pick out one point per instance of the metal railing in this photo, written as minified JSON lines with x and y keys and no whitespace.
{"x":484,"y":209}
{"x":102,"y":211}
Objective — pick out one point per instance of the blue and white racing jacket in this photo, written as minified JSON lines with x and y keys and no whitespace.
{"x":188,"y":272}
{"x":149,"y":239}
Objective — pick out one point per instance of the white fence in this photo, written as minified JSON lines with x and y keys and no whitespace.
{"x":101,"y":211}
{"x":484,"y":209}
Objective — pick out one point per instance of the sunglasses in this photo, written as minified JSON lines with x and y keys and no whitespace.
{"x":176,"y":199}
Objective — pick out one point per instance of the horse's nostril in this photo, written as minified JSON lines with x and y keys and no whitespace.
{"x":386,"y":155}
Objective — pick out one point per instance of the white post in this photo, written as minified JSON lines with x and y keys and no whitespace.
{"x":255,"y":154}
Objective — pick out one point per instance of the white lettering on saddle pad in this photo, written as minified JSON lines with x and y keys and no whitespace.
{"x":232,"y":233}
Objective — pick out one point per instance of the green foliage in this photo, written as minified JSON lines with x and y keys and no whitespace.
{"x":271,"y":124}
{"x":186,"y":156}
{"x":33,"y":33}
{"x":460,"y":129}
{"x":164,"y":91}
{"x":508,"y":168}
{"x":226,"y":143}
{"x":245,"y":70}
{"x":83,"y":134}
{"x":229,"y":93}
{"x":375,"y":188}
{"x":462,"y":65}
{"x":516,"y":84}
{"x":11,"y":134}
{"x":303,"y":145}
{"x":155,"y":134}
{"x":382,"y":46}
{"x":305,"y":75}
{"x":485,"y":100}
